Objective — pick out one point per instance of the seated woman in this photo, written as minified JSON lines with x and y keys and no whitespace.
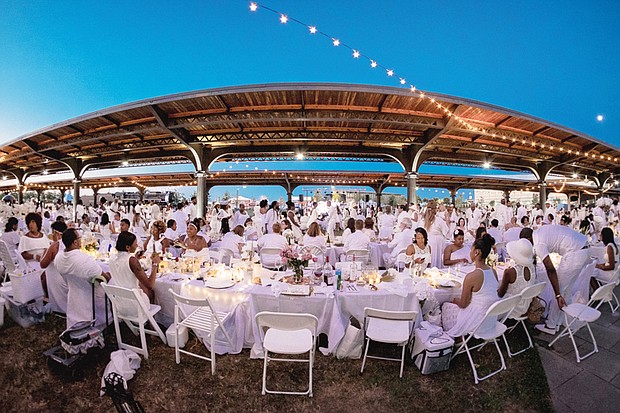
{"x":192,"y":240}
{"x":456,"y":253}
{"x":369,"y":228}
{"x":606,"y":271}
{"x":33,"y":244}
{"x":482,"y":230}
{"x":156,"y":243}
{"x":463,"y":314}
{"x":314,"y":237}
{"x":250,"y":231}
{"x":233,"y":241}
{"x":11,"y":236}
{"x":419,"y":253}
{"x":350,"y":229}
{"x":521,"y":276}
{"x":126,"y":270}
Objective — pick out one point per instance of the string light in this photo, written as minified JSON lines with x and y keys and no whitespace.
{"x":391,"y":73}
{"x":283,"y":19}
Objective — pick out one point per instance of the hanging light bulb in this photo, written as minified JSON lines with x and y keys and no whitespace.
{"x":336,"y":42}
{"x":283,"y":19}
{"x":390,"y":72}
{"x":312,"y":29}
{"x":373,"y":64}
{"x":253,"y":6}
{"x":356,"y":54}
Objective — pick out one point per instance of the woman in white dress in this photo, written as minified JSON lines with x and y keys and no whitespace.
{"x":607,"y":271}
{"x":521,"y":276}
{"x":138,"y":225}
{"x":214,"y":220}
{"x":11,"y":236}
{"x":314,"y":237}
{"x":419,"y":253}
{"x":456,"y":253}
{"x":126,"y":270}
{"x":157,"y":243}
{"x":33,"y":244}
{"x":437,"y":229}
{"x":386,"y":223}
{"x":463,"y":314}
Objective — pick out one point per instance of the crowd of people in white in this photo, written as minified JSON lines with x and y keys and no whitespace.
{"x":429,"y":235}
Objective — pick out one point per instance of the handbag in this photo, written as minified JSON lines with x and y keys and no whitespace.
{"x":351,"y":344}
{"x":536,"y":310}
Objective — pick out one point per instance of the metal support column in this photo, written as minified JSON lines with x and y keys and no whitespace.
{"x":542,"y":194}
{"x":76,"y":197}
{"x":412,"y":196}
{"x":201,"y":196}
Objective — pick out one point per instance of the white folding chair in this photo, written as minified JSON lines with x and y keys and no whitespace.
{"x":392,"y":327}
{"x":584,"y":313}
{"x":227,"y":255}
{"x":203,"y":319}
{"x":526,"y":296}
{"x":499,"y":310}
{"x":316,"y":252}
{"x":270,"y":258}
{"x":359,"y":255}
{"x":402,"y":259}
{"x":291,"y":334}
{"x":7,"y":260}
{"x":128,"y":307}
{"x":615,"y":279}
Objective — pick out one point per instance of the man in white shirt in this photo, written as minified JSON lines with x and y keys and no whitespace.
{"x":571,"y":245}
{"x":401,"y":241}
{"x":192,"y":210}
{"x":180,"y":218}
{"x":275,"y":240}
{"x":155,"y":211}
{"x":313,"y":214}
{"x":386,"y":223}
{"x":521,"y":211}
{"x":332,"y":219}
{"x":474,"y":217}
{"x":78,"y":269}
{"x":357,"y":240}
{"x":403,"y":212}
{"x":240,"y":216}
{"x":550,"y":210}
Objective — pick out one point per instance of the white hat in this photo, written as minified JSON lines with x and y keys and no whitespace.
{"x":521,"y":251}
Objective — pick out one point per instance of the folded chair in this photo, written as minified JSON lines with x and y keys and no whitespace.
{"x":584,"y":313}
{"x":128,"y":307}
{"x":291,"y":334}
{"x":392,"y":327}
{"x":498,"y":312}
{"x":270,"y":258}
{"x":204,"y":318}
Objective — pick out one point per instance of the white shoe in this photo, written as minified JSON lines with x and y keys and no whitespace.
{"x":545,"y":329}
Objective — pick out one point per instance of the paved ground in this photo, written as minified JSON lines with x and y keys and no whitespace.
{"x":594,"y":384}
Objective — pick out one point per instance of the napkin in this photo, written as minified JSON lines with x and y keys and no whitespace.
{"x":278,"y":287}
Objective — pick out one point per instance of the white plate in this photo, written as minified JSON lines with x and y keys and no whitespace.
{"x":217,"y":283}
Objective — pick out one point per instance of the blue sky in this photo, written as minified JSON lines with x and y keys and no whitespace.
{"x":554,"y":60}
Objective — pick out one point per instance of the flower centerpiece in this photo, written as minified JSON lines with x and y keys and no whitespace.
{"x":296,"y":260}
{"x":491,"y":260}
{"x":90,"y":245}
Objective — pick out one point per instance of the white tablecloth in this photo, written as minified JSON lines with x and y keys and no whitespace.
{"x":377,"y":249}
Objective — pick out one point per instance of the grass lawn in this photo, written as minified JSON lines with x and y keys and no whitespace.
{"x":161,"y":385}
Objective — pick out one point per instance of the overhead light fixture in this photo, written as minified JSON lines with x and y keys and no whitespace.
{"x":4,"y":177}
{"x":486,"y":165}
{"x":300,"y":156}
{"x":45,"y":172}
{"x":125,"y":163}
{"x":574,"y":175}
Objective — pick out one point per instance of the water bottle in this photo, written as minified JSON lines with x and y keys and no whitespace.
{"x":338,"y":279}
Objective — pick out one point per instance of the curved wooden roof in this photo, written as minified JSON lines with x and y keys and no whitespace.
{"x":322,"y":121}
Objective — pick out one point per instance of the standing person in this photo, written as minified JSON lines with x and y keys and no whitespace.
{"x":463,"y":314}
{"x":192,"y":209}
{"x":291,"y":215}
{"x":240,"y":216}
{"x":180,"y":217}
{"x":474,"y":217}
{"x":386,"y":223}
{"x":437,"y":233}
{"x":332,"y":219}
{"x":570,"y":245}
{"x":272,"y":216}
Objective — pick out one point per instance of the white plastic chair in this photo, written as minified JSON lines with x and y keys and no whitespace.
{"x":291,"y":334}
{"x":526,"y":296}
{"x":615,"y":279}
{"x":360,"y":255}
{"x":499,"y":310}
{"x":270,"y":257}
{"x":204,"y":319}
{"x":128,"y":307}
{"x":316,"y":252}
{"x":585,"y":313}
{"x":227,"y":255}
{"x":402,"y":259}
{"x":392,"y":327}
{"x":7,"y":260}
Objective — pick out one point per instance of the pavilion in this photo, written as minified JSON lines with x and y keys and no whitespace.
{"x":314,"y":121}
